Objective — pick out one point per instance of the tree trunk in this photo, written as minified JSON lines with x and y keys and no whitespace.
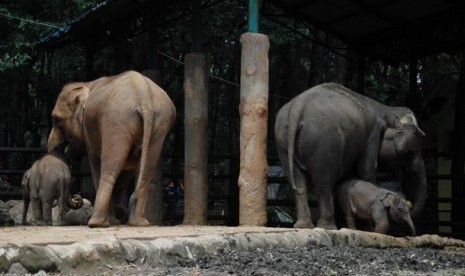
{"x":196,"y":142}
{"x":253,"y":136}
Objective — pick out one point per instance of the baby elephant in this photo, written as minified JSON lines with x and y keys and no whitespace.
{"x":48,"y":179}
{"x":363,"y":200}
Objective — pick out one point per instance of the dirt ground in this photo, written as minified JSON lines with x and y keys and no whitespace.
{"x":336,"y":260}
{"x":42,"y":235}
{"x":311,"y":260}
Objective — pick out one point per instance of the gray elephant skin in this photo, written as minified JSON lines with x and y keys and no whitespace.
{"x":329,"y":133}
{"x":121,"y":123}
{"x":363,"y":200}
{"x":48,"y":179}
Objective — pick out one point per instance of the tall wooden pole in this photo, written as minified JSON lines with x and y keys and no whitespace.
{"x":254,"y":120}
{"x":413,"y":97}
{"x":196,"y":142}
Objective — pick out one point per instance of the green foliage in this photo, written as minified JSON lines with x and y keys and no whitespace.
{"x":30,"y":80}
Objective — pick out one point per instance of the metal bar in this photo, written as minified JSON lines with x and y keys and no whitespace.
{"x":253,"y":16}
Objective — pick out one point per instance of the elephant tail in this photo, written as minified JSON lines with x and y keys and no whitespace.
{"x":26,"y":194}
{"x":147,"y":124}
{"x":293,"y":125}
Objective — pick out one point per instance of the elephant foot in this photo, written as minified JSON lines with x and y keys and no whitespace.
{"x":327,"y":225}
{"x":98,"y":222}
{"x":304,"y":224}
{"x":138,"y":222}
{"x":113,"y":220}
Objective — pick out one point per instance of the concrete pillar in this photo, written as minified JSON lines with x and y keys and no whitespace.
{"x":196,"y":141}
{"x":253,"y":133}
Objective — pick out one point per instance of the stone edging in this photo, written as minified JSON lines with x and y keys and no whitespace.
{"x":110,"y":251}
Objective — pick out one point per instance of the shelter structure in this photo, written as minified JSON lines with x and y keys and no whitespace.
{"x":392,"y":31}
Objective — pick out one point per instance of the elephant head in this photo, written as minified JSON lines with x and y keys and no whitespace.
{"x":398,"y":210}
{"x":400,"y":152}
{"x":67,"y":119}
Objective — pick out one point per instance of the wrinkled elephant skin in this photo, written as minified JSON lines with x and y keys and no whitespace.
{"x":363,"y":200}
{"x":121,"y":122}
{"x":330,"y":133}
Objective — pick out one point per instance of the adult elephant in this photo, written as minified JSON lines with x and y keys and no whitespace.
{"x":330,"y":133}
{"x":121,"y":121}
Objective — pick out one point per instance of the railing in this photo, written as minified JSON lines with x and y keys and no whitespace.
{"x":224,"y":199}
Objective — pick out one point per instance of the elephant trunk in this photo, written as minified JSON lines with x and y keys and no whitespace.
{"x":75,"y":202}
{"x":409,"y":223}
{"x":56,"y":143}
{"x":416,"y":189}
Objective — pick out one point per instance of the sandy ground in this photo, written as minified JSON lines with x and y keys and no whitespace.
{"x":42,"y":235}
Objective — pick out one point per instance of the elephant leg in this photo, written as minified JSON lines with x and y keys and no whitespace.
{"x":63,"y":202}
{"x":368,"y":161}
{"x":121,"y":192}
{"x":114,"y":155}
{"x":47,"y":211}
{"x":350,"y":221}
{"x":27,"y":200}
{"x":94,"y":164}
{"x":324,"y":185}
{"x":380,"y":219}
{"x":37,"y":210}
{"x":304,"y":217}
{"x":138,"y":217}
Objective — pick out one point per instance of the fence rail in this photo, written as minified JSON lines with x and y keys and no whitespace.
{"x":431,"y":221}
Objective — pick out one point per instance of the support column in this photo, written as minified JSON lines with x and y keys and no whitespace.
{"x":361,"y":75}
{"x":253,"y":133}
{"x":196,"y":142}
{"x":458,"y":160}
{"x":89,"y":63}
{"x":413,"y":97}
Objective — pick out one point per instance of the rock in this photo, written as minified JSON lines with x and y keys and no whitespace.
{"x":80,"y":216}
{"x":5,"y":218}
{"x":41,"y":273}
{"x":36,"y":258}
{"x":4,"y":262}
{"x":13,"y":202}
{"x":16,"y":211}
{"x":17,"y":269}
{"x":73,"y":217}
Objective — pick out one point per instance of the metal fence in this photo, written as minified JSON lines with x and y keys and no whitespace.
{"x":222,"y":198}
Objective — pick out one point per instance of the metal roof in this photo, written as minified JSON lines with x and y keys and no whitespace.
{"x":389,"y":30}
{"x":108,"y":20}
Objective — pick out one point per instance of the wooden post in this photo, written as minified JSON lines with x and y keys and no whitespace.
{"x":196,"y":141}
{"x":413,"y":97}
{"x":361,"y":75}
{"x":254,"y":119}
{"x":90,"y":62}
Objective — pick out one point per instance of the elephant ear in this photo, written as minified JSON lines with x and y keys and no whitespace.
{"x":77,"y":94}
{"x":387,"y":199}
{"x":408,"y":121}
{"x":389,"y":134}
{"x":25,"y":180}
